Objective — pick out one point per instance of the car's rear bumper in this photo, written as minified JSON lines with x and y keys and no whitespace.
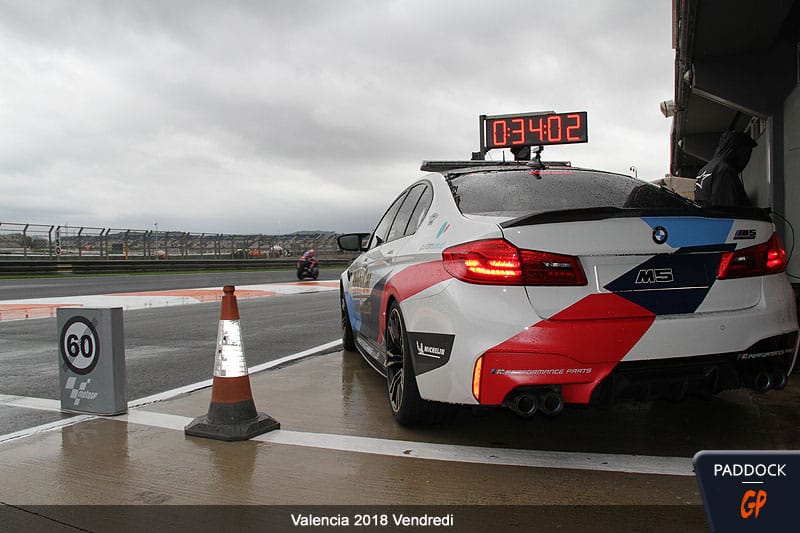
{"x":762,"y":366}
{"x":702,"y":352}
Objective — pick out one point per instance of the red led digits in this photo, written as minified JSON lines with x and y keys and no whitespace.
{"x":571,"y":129}
{"x":540,"y":133}
{"x":518,"y":130}
{"x":535,"y":129}
{"x":499,"y":134}
{"x":554,"y":129}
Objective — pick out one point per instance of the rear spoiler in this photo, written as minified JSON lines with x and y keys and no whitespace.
{"x":603,"y":213}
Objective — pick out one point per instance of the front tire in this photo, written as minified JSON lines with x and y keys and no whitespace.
{"x":408,"y":408}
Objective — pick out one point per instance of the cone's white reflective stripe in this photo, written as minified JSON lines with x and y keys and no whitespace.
{"x":230,"y":361}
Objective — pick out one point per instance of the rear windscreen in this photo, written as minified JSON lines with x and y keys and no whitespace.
{"x":524,"y":192}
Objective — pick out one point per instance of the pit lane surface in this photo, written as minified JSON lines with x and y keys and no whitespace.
{"x":165,"y":347}
{"x":628,"y":454}
{"x":173,"y":346}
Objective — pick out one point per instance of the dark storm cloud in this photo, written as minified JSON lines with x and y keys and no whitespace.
{"x":301,"y":114}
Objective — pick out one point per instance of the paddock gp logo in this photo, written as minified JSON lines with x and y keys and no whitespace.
{"x":749,"y":491}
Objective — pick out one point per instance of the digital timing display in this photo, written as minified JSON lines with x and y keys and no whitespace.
{"x":509,"y":131}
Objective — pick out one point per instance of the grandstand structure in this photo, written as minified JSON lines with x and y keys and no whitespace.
{"x":19,"y":240}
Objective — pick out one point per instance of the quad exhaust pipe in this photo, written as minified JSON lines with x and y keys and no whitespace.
{"x":551,"y":403}
{"x":526,"y":403}
{"x":763,"y":380}
{"x":523,"y":404}
{"x":779,"y":380}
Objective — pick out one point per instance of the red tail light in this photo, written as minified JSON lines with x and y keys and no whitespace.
{"x":477,"y":372}
{"x":542,"y":268}
{"x":759,"y":260}
{"x":498,"y":262}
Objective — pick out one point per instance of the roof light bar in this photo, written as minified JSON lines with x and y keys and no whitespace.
{"x":449,"y":166}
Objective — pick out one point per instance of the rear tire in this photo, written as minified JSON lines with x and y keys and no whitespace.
{"x":407,"y":406}
{"x":348,"y":339}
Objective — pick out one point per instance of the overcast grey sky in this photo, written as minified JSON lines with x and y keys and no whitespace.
{"x":277,"y":116}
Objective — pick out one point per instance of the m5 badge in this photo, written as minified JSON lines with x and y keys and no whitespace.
{"x":655,"y":275}
{"x":744,"y":234}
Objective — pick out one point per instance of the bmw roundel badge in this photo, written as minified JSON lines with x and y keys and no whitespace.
{"x":660,"y":234}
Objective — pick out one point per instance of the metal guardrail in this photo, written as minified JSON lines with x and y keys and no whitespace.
{"x":95,"y":266}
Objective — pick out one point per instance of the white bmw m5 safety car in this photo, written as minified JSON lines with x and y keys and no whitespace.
{"x":533,"y":285}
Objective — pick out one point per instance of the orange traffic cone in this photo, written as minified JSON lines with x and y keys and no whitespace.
{"x":232,"y":414}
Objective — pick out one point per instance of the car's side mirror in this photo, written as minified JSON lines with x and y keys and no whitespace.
{"x":353,"y":242}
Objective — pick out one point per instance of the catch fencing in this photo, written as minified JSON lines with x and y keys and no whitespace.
{"x":50,"y":242}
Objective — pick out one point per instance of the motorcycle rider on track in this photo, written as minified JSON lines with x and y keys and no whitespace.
{"x":308,"y":265}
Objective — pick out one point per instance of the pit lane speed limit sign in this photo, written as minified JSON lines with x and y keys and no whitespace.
{"x":91,"y":360}
{"x":79,"y":345}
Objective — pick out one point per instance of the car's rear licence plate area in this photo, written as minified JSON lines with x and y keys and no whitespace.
{"x":663,"y":284}
{"x":657,"y":272}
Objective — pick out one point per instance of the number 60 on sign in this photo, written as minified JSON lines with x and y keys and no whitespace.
{"x":79,"y":345}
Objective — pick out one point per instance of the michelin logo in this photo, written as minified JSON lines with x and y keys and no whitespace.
{"x":429,"y":351}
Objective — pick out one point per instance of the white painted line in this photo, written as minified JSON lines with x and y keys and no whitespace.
{"x":162,"y":396}
{"x":631,"y":464}
{"x":599,"y":462}
{"x":294,"y":357}
{"x":45,"y":404}
{"x":42,"y":404}
{"x":45,"y":427}
{"x":155,"y":420}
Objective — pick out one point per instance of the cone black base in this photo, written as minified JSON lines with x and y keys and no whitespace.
{"x":244,"y":430}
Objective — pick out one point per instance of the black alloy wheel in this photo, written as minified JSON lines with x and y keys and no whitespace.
{"x":404,"y":399}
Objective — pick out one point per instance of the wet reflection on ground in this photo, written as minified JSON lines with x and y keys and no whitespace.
{"x":339,"y":393}
{"x":733,"y":420}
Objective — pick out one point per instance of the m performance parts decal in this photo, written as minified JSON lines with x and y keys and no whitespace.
{"x":573,"y":348}
{"x":430,"y":350}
